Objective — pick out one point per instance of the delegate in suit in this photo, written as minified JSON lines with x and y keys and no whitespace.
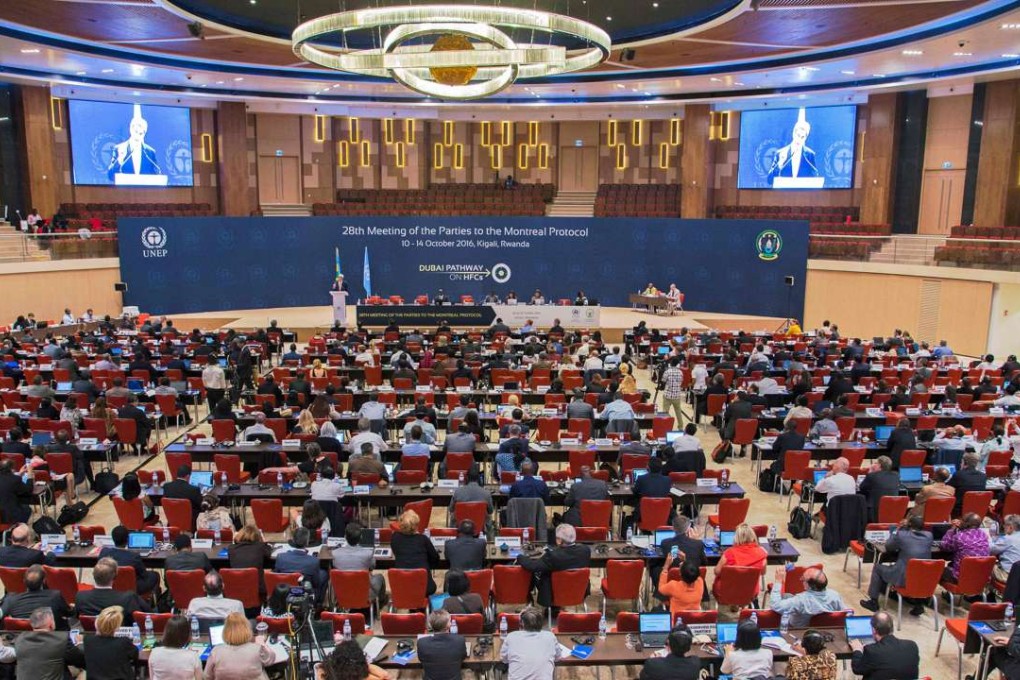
{"x":133,"y":156}
{"x":795,"y":159}
{"x":566,"y":555}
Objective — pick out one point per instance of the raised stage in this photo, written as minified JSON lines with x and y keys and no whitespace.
{"x":307,"y":321}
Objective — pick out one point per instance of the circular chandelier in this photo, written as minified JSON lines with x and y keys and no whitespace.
{"x":470,"y":55}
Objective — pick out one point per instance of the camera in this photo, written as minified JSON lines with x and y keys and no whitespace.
{"x":300,"y":601}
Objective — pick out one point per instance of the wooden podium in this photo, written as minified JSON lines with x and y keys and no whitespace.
{"x":339,"y":306}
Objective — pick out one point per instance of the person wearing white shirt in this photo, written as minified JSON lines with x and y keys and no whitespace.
{"x":699,"y":377}
{"x":364,"y":357}
{"x":612,"y":360}
{"x":214,"y":381}
{"x":88,"y":316}
{"x":1009,"y":399}
{"x":259,"y":428}
{"x":68,"y":317}
{"x":593,"y":362}
{"x":365,"y":434}
{"x":837,"y":482}
{"x":768,"y":385}
{"x":530,"y":653}
{"x":688,"y":440}
{"x":214,"y":605}
{"x":326,"y":487}
{"x":618,"y":409}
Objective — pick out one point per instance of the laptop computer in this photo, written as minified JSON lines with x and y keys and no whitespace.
{"x":637,"y":473}
{"x":116,"y":351}
{"x":726,"y":538}
{"x":818,"y":475}
{"x":663,"y":350}
{"x":437,"y":600}
{"x":64,"y":386}
{"x":41,"y":438}
{"x":203,"y":479}
{"x":948,"y":467}
{"x":673,"y":435}
{"x":858,"y":628}
{"x":663,"y":535}
{"x":910,"y":475}
{"x":135,"y":384}
{"x":882,"y":433}
{"x":653,"y":628}
{"x":223,"y":362}
{"x":179,"y":385}
{"x":726,"y":633}
{"x":141,"y":540}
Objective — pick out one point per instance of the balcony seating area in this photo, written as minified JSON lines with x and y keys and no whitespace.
{"x":99,"y":217}
{"x":817,"y":214}
{"x":842,"y":241}
{"x":638,"y":200}
{"x":442,"y":200}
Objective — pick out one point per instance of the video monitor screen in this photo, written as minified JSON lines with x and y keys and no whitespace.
{"x":808,"y":148}
{"x":130,"y":145}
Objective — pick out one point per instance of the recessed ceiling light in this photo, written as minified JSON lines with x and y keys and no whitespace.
{"x":1010,"y":27}
{"x":655,"y":4}
{"x":808,"y":68}
{"x":737,"y":83}
{"x":219,"y":82}
{"x":136,"y":93}
{"x":80,"y":73}
{"x":912,"y":53}
{"x":620,"y":85}
{"x":30,"y":51}
{"x":107,"y":70}
{"x":963,"y":54}
{"x":848,"y":73}
{"x":715,"y":80}
{"x":1010,"y":55}
{"x":609,"y":18}
{"x":238,"y":79}
{"x":878,"y":75}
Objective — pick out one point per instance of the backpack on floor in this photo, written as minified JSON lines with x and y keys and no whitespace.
{"x":767,"y":481}
{"x":722,"y":451}
{"x":72,"y":514}
{"x":106,"y":481}
{"x":800,"y":523}
{"x":46,"y":525}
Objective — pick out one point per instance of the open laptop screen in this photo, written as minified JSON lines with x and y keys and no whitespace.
{"x":663,"y":535}
{"x":910,"y":474}
{"x":858,"y":627}
{"x":649,"y":622}
{"x":141,"y":540}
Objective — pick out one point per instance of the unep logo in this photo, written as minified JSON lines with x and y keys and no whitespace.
{"x":769,"y":243}
{"x":153,"y":242}
{"x":500,"y":273}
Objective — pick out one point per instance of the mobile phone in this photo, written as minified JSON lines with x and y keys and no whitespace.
{"x":75,"y":636}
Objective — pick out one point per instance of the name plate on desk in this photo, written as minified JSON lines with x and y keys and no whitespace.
{"x":448,"y":483}
{"x":423,"y":388}
{"x":291,"y":443}
{"x":205,"y":441}
{"x":335,"y":542}
{"x":996,"y":411}
{"x":383,"y":553}
{"x":874,"y":412}
{"x":509,"y":541}
{"x":603,"y":442}
{"x":362,"y":490}
{"x":88,"y":441}
{"x":248,"y":444}
{"x":828,"y":441}
{"x":876,"y":536}
{"x":570,"y":441}
{"x":550,"y":412}
{"x":440,"y":541}
{"x":201,"y":543}
{"x":463,"y":389}
{"x":913,"y":411}
{"x":702,"y":629}
{"x":47,"y":540}
{"x":706,"y":482}
{"x":101,"y":541}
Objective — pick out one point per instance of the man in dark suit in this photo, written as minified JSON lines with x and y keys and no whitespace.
{"x":15,"y":494}
{"x":91,"y":602}
{"x":21,"y":605}
{"x":566,"y":555}
{"x":44,"y":653}
{"x":19,"y":553}
{"x":838,"y":386}
{"x":900,"y":439}
{"x":654,"y":484}
{"x":795,"y":159}
{"x":676,"y":665}
{"x":586,"y":489}
{"x":443,"y":653}
{"x":298,"y":560}
{"x":737,"y":410}
{"x":968,"y":478}
{"x":182,"y":488}
{"x":529,"y":486}
{"x":119,"y":553}
{"x":132,"y":412}
{"x":691,"y":548}
{"x":888,"y":658}
{"x":186,"y":560}
{"x":789,"y":440}
{"x":881,"y":481}
{"x":466,"y":552}
{"x":910,"y":542}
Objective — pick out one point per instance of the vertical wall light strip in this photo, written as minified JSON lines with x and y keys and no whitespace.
{"x":674,"y":131}
{"x":724,"y":125}
{"x":611,"y":133}
{"x":56,"y":113}
{"x":533,"y":133}
{"x":447,"y":133}
{"x":496,"y":156}
{"x":410,"y":132}
{"x":486,"y":133}
{"x":506,"y":129}
{"x":365,"y":154}
{"x":387,"y":130}
{"x":320,"y":128}
{"x":437,"y":156}
{"x":663,"y":156}
{"x":353,"y":129}
{"x":401,"y":150}
{"x":543,"y":156}
{"x":343,"y":154}
{"x":621,"y":157}
{"x":458,"y":156}
{"x":207,"y":147}
{"x":636,"y":132}
{"x":522,"y":156}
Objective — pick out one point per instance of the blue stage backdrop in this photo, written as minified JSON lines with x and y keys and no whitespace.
{"x":174,"y":265}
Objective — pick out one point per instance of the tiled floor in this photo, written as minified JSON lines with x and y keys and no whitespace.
{"x":765,"y":509}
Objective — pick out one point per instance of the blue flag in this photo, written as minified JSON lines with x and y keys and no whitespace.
{"x":366,"y":276}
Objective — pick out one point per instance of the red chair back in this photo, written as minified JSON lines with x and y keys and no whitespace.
{"x":469,"y":624}
{"x":477,"y":512}
{"x":733,"y":512}
{"x":231,"y":464}
{"x":975,"y":574}
{"x":570,"y":587}
{"x":596,"y":513}
{"x":976,"y":501}
{"x":697,"y":616}
{"x":185,"y":586}
{"x":513,"y":621}
{"x":655,"y":512}
{"x":129,"y":513}
{"x":64,"y":579}
{"x":357,"y":620}
{"x":268,"y":514}
{"x":766,"y":617}
{"x":13,"y":579}
{"x":126,"y":579}
{"x":351,"y":588}
{"x":745,"y":432}
{"x":481,"y":583}
{"x":274,"y":579}
{"x":224,"y":430}
{"x":11,"y":623}
{"x":891,"y":509}
{"x":797,"y":464}
{"x":793,"y":584}
{"x":582,"y":428}
{"x":623,"y":579}
{"x":580,"y":458}
{"x":127,"y":430}
{"x":511,"y":584}
{"x":243,"y":585}
{"x":178,"y":513}
{"x":403,"y":624}
{"x":736,"y":586}
{"x":922,"y":578}
{"x":938,"y":510}
{"x":407,"y":589}
{"x":828,"y":620}
{"x":424,"y":511}
{"x":568,"y":622}
{"x":913,"y":458}
{"x":159,"y":621}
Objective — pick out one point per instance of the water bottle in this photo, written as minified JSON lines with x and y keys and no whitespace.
{"x":453,"y":627}
{"x":77,"y":533}
{"x":627,"y":479}
{"x":196,"y":632}
{"x":603,"y":627}
{"x":724,"y":477}
{"x":526,"y":534}
{"x":630,"y":534}
{"x":503,"y":627}
{"x":155,"y":479}
{"x":279,"y":479}
{"x":772,"y":532}
{"x":217,"y":535}
{"x":784,"y":623}
{"x":136,"y":635}
{"x":150,"y":629}
{"x":679,"y":621}
{"x":754,"y":618}
{"x":261,"y":629}
{"x":377,"y":537}
{"x":460,"y":478}
{"x":166,"y":534}
{"x":1009,"y":612}
{"x":347,"y":629}
{"x":223,"y":479}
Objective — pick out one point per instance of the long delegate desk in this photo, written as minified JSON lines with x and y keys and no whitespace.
{"x":87,"y":556}
{"x":864,"y":420}
{"x":397,"y":495}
